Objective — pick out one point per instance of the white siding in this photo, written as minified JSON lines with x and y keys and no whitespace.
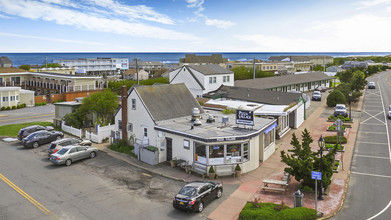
{"x":299,"y":115}
{"x":185,"y":77}
{"x":219,"y":81}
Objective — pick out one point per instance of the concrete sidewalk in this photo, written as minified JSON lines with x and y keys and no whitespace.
{"x":250,"y":183}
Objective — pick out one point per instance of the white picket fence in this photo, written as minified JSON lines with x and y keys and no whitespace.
{"x":71,"y":130}
{"x":101,"y":133}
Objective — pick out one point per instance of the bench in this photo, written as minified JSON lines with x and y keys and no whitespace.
{"x":286,"y":177}
{"x":283,"y":185}
{"x":198,"y":168}
{"x":225,"y":170}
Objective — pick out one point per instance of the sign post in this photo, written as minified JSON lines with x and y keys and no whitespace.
{"x":316,"y":176}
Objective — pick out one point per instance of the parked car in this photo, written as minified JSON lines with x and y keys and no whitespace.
{"x":340,"y":109}
{"x":316,"y":96}
{"x":41,"y":137}
{"x":24,"y":132}
{"x":57,"y":145}
{"x":389,"y":112}
{"x":371,"y":85}
{"x":69,"y":154}
{"x":320,"y":89}
{"x":195,"y":195}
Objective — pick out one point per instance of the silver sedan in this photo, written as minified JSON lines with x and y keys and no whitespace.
{"x":70,"y":154}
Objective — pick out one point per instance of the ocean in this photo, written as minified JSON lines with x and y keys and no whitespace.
{"x":40,"y":58}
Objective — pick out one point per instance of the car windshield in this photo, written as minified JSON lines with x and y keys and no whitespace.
{"x":316,"y":93}
{"x":339,"y":107}
{"x":63,"y":151}
{"x":188,"y":191}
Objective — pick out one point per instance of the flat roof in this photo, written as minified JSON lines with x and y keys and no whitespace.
{"x":71,"y":103}
{"x":215,"y":131}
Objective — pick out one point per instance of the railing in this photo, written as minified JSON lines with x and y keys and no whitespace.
{"x":101,"y":133}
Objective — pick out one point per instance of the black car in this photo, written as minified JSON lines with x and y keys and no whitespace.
{"x":195,"y":195}
{"x":41,"y":137}
{"x":24,"y":132}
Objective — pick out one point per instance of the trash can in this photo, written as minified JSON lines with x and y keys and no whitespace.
{"x":298,"y":198}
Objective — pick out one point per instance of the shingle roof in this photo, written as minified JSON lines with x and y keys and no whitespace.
{"x":168,"y":101}
{"x":193,"y":58}
{"x":5,"y":60}
{"x":255,"y":95}
{"x":278,"y":81}
{"x":210,"y":69}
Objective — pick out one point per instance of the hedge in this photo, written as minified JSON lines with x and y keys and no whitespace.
{"x":276,"y":212}
{"x":333,"y":139}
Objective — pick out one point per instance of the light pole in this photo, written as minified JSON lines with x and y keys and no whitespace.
{"x":350,"y":105}
{"x":321,"y":145}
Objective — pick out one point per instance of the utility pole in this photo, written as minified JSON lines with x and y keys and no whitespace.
{"x":138,"y":82}
{"x":254,"y":68}
{"x":46,"y":62}
{"x":324,"y":66}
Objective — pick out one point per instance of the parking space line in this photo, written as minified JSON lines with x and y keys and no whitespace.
{"x":375,"y":157}
{"x":362,"y":142}
{"x":373,"y":124}
{"x":371,"y":174}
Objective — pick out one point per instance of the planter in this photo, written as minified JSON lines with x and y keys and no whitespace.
{"x":212,"y":176}
{"x":336,"y":166}
{"x":238,"y":173}
{"x":187,"y":168}
{"x":173,"y":163}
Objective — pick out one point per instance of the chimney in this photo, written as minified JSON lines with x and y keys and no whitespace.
{"x":124,"y":104}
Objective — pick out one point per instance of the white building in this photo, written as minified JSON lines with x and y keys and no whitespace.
{"x":201,"y":79}
{"x":13,"y":96}
{"x":162,"y":116}
{"x":96,"y":65}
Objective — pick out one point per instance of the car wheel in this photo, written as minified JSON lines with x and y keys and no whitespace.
{"x":200,"y":207}
{"x":58,"y":137}
{"x":219,"y":193}
{"x":35,"y":144}
{"x":92,"y":154}
{"x":68,"y":162}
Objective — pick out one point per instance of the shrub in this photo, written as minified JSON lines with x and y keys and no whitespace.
{"x":14,"y":107}
{"x":8,"y":108}
{"x":229,"y":111}
{"x":23,"y":105}
{"x":3,"y":108}
{"x":331,"y":117}
{"x":58,"y":101}
{"x":333,"y":139}
{"x":19,"y":106}
{"x":211,"y":170}
{"x":237,"y":168}
{"x":307,"y":188}
{"x":335,"y":98}
{"x":332,"y":146}
{"x":269,"y":211}
{"x":151,"y":148}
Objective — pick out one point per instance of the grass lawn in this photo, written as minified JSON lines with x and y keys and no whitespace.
{"x":13,"y":130}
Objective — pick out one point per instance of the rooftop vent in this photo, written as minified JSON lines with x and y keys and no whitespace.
{"x":196,"y":114}
{"x":197,"y":122}
{"x":225,"y":120}
{"x":210,"y":119}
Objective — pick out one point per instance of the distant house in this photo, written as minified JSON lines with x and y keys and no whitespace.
{"x":355,"y":64}
{"x":287,"y":108}
{"x":5,"y":62}
{"x":315,"y":60}
{"x":201,"y":79}
{"x":97,"y":65}
{"x":166,"y":122}
{"x":146,"y":65}
{"x":13,"y":96}
{"x":132,"y":74}
{"x":298,"y":82}
{"x":334,"y":69}
{"x":193,"y":59}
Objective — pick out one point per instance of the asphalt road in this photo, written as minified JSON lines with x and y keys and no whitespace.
{"x":31,"y":187}
{"x":28,"y":114}
{"x":369,"y":194}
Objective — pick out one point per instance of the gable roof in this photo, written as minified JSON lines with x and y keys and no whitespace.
{"x":168,"y":101}
{"x":190,"y":72}
{"x":286,"y":80}
{"x":255,"y":95}
{"x":210,"y":69}
{"x":5,"y":60}
{"x":193,"y":58}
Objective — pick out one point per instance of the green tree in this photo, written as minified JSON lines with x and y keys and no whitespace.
{"x":345,"y":89}
{"x":318,"y":68}
{"x":51,"y":65}
{"x":302,"y":161}
{"x":358,"y":81}
{"x":25,"y":67}
{"x":77,"y":118}
{"x":335,"y":97}
{"x":345,"y":76}
{"x":103,"y":105}
{"x":241,"y":73}
{"x":262,"y":74}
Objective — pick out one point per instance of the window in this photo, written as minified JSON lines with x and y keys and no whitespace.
{"x":216,"y":151}
{"x":73,"y":150}
{"x":1,"y":80}
{"x":224,"y":79}
{"x":16,"y":80}
{"x":210,"y":80}
{"x":145,"y":132}
{"x":269,"y":138}
{"x":130,"y":127}
{"x":267,"y":67}
{"x":12,"y":98}
{"x":200,"y":153}
{"x":186,"y":144}
{"x":119,"y":125}
{"x":214,"y":79}
{"x":5,"y":98}
{"x":134,"y":104}
{"x":263,"y":67}
{"x":245,"y":151}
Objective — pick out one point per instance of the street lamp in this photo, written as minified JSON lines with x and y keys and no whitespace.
{"x":321,"y":145}
{"x":350,"y":105}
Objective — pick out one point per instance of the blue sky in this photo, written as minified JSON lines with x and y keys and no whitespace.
{"x":195,"y":26}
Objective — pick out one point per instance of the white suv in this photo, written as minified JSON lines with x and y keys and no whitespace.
{"x":340,"y":109}
{"x":389,"y":112}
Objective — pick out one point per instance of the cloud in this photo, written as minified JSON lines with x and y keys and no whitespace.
{"x":198,"y":4}
{"x":363,"y":32}
{"x":87,"y":21}
{"x":4,"y":16}
{"x":370,"y":3}
{"x":219,"y":23}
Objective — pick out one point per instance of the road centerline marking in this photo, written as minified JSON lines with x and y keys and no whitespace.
{"x":36,"y":116}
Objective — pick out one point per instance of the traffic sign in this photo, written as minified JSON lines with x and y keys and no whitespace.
{"x":316,"y":175}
